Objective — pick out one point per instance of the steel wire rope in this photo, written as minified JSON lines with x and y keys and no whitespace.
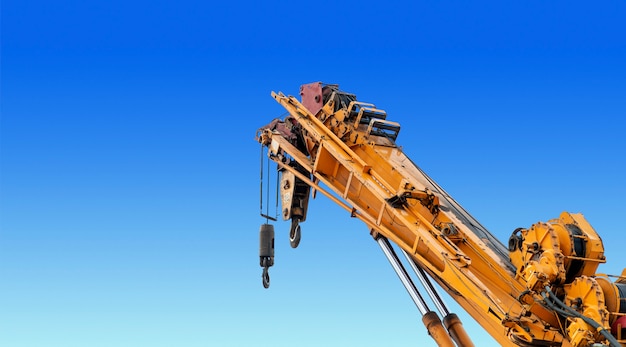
{"x":498,"y":246}
{"x":261,"y":187}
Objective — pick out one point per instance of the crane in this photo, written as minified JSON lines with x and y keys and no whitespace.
{"x":540,"y":289}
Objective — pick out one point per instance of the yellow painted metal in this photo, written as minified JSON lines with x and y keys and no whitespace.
{"x":369,"y":176}
{"x":586,"y":296}
{"x":411,"y":228}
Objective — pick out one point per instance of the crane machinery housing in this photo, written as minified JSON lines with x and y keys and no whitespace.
{"x":541,"y":289}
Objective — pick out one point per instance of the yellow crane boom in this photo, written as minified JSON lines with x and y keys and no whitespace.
{"x":540,"y":290}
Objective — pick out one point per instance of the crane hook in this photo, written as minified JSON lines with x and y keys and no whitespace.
{"x":295,"y":233}
{"x":266,"y":277}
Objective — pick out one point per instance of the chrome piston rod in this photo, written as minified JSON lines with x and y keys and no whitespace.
{"x":403,"y":275}
{"x":430,"y":319}
{"x":428,"y":285}
{"x":451,"y":321}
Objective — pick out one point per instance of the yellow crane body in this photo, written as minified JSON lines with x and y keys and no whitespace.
{"x":540,"y":290}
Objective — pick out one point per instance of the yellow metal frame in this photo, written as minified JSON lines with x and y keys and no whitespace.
{"x":363,"y":173}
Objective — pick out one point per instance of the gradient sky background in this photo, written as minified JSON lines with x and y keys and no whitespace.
{"x":130,"y":174}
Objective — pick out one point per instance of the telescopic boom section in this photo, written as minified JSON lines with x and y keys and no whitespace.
{"x":346,"y":150}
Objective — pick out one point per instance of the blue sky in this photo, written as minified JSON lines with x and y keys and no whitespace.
{"x":129,"y":172}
